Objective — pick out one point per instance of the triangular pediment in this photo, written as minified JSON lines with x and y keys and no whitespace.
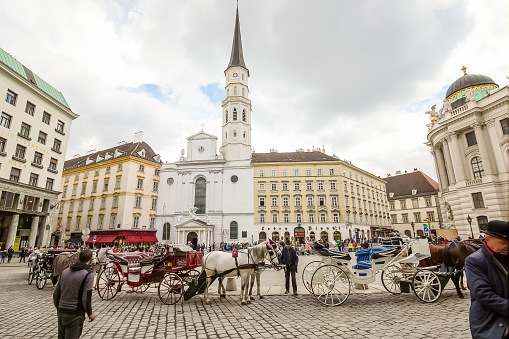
{"x":202,"y":136}
{"x":194,"y":224}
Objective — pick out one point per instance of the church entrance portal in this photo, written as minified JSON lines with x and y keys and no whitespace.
{"x":192,"y":238}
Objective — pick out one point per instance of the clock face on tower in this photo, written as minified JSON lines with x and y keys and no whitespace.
{"x":235,"y":75}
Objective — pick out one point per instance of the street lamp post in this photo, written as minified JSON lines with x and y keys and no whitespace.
{"x":413,"y":227}
{"x":470,"y":223}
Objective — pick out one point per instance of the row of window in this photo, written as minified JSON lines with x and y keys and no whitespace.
{"x":20,"y":155}
{"x":12,"y":99}
{"x":417,"y":217}
{"x":234,"y":115}
{"x":415,"y":203}
{"x":298,"y":201}
{"x":91,"y":204}
{"x":112,"y":222}
{"x":284,"y":172}
{"x":25,"y":133}
{"x":298,"y":217}
{"x":141,"y":168}
{"x":366,"y":204}
{"x":139,"y":185}
{"x":370,"y":193}
{"x":309,"y":186}
{"x":15,"y":175}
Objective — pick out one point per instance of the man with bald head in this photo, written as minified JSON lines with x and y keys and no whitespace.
{"x":487,"y":273}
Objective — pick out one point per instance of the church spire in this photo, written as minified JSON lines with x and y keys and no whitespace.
{"x":237,"y":58}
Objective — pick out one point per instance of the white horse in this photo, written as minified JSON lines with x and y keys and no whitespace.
{"x":255,"y":277}
{"x":223,"y":264}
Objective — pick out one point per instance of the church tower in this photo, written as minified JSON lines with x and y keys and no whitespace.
{"x":236,"y":138}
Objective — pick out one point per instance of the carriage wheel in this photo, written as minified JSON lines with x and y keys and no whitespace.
{"x":190,"y":275}
{"x":108,"y":283}
{"x":330,"y":285}
{"x":171,"y":289}
{"x":30,"y":275}
{"x":40,"y":279}
{"x":391,"y":276}
{"x":308,"y":271}
{"x":427,"y":286}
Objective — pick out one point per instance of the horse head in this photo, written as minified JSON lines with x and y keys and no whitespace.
{"x":273,"y":252}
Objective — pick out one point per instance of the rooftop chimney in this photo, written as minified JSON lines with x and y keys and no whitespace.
{"x":272,"y":150}
{"x":138,"y":136}
{"x":398,"y":172}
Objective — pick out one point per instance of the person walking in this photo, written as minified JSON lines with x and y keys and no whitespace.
{"x":487,"y":272}
{"x":10,"y":253}
{"x":22,"y":255}
{"x":73,"y":297}
{"x":290,"y":260}
{"x":4,"y":255}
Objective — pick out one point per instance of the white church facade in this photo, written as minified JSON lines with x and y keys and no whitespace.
{"x":207,"y":197}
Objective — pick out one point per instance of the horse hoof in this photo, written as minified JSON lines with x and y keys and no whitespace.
{"x":222,"y":296}
{"x":461,"y":296}
{"x":261,"y":297}
{"x":243,"y":303}
{"x":207,"y":302}
{"x":464,"y":289}
{"x":252,"y":298}
{"x":249,"y":302}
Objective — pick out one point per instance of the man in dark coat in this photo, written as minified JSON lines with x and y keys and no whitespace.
{"x":290,"y":259}
{"x":487,"y":273}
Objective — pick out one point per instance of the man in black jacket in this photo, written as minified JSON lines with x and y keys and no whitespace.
{"x":487,"y":273}
{"x":73,"y":297}
{"x":290,"y":259}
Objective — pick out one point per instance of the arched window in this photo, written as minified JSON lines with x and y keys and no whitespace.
{"x":235,"y":90}
{"x":477,"y":167}
{"x":226,"y":116}
{"x":200,"y":195}
{"x":234,"y":114}
{"x":420,"y":233}
{"x":244,"y":115}
{"x":408,"y":233}
{"x":234,"y":133}
{"x":166,"y":231}
{"x":262,"y":236}
{"x":243,"y":91}
{"x":234,"y":230}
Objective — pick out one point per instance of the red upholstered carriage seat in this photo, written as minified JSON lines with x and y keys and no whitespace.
{"x":133,"y":259}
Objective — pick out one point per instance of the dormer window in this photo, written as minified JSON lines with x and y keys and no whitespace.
{"x":414,"y":192}
{"x":391,"y":195}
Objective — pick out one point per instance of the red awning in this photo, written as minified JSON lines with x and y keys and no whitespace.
{"x":133,"y":238}
{"x":149,"y":238}
{"x":106,"y":238}
{"x":90,"y":240}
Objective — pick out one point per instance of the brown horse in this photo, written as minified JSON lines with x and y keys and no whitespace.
{"x":452,"y":257}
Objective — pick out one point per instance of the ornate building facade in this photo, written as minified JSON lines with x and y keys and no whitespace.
{"x":34,"y":130}
{"x":113,"y":193}
{"x":469,"y":140}
{"x":414,"y":204}
{"x":309,"y":195}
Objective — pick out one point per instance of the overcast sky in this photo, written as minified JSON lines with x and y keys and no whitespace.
{"x":354,"y":76}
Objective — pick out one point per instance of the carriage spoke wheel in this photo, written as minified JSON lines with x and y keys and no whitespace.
{"x":30,"y":275}
{"x":308,"y":271}
{"x":40,"y":279}
{"x":330,"y":285}
{"x":108,"y":283}
{"x":391,"y":276}
{"x":427,"y":286}
{"x":171,"y":289}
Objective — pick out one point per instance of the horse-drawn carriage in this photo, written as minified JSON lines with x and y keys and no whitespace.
{"x":42,"y":267}
{"x":331,"y":279}
{"x":171,"y":272}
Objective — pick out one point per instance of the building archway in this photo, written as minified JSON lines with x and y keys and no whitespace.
{"x":275,"y":236}
{"x":166,"y":231}
{"x":262,"y":236}
{"x":324,"y":236}
{"x":287,"y":236}
{"x":337,"y":235}
{"x":192,"y":238}
{"x":312,"y":236}
{"x":420,"y":233}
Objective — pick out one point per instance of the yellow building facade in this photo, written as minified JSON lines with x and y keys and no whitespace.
{"x":309,"y":195}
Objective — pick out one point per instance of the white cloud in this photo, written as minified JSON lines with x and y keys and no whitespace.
{"x":355,"y":77}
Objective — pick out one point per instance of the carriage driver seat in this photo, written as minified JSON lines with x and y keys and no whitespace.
{"x":339,"y":255}
{"x":365,"y":256}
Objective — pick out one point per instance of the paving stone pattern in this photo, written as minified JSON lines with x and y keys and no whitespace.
{"x":27,"y":312}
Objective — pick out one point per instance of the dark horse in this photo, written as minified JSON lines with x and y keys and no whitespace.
{"x":452,"y":257}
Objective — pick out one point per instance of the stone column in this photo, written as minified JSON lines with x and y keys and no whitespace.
{"x":485,"y":156}
{"x":40,"y":232}
{"x":11,"y":236}
{"x":33,"y":231}
{"x":457,"y":157}
{"x":446,"y":154}
{"x":442,"y":177}
{"x":495,"y":145}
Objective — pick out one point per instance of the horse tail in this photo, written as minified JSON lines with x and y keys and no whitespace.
{"x":447,"y":260}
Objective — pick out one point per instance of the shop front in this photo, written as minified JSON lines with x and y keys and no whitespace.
{"x":299,"y":234}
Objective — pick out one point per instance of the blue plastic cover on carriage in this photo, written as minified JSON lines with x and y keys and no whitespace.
{"x":364,"y":256}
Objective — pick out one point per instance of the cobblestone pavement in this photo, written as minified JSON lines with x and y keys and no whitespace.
{"x":27,"y":312}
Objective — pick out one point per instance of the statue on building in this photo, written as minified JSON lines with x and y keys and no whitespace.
{"x":432,"y":113}
{"x":208,"y":219}
{"x":469,"y":95}
{"x":445,"y":108}
{"x":192,"y":212}
{"x":448,"y":208}
{"x":179,"y":219}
